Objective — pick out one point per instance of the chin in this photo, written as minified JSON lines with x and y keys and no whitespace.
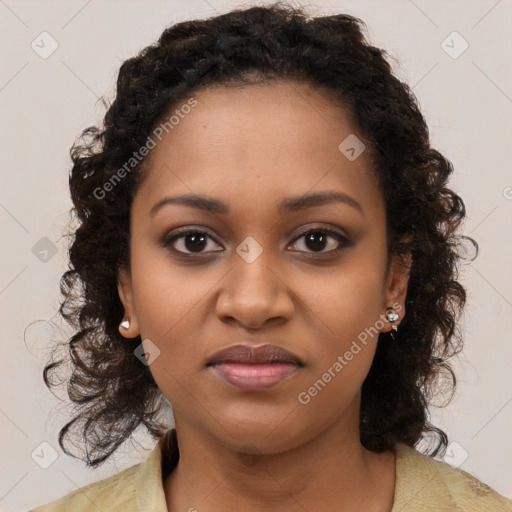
{"x":259,"y":433}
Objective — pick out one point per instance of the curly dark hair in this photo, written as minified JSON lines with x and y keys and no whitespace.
{"x":113,"y":392}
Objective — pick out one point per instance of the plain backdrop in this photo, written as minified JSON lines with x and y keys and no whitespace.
{"x":46,"y":100}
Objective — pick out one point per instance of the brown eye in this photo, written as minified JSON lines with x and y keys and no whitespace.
{"x":317,"y":240}
{"x":189,"y":242}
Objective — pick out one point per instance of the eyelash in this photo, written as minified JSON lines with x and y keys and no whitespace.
{"x":182,"y":233}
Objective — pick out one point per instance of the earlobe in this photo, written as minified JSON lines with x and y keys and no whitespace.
{"x":396,"y":286}
{"x":128,"y":326}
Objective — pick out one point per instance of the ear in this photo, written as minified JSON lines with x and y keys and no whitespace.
{"x":396,"y":286}
{"x":124,"y":288}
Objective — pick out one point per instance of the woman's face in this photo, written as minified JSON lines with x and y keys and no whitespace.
{"x":253,"y":275}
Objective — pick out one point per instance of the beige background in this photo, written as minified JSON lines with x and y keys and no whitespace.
{"x":45,"y":103}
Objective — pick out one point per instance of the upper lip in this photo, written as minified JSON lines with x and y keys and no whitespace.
{"x":250,"y":354}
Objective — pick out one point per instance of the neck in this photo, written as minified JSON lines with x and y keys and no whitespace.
{"x":332,"y":471}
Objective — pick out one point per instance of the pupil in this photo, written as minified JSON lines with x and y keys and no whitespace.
{"x":316,"y":238}
{"x":198,"y":241}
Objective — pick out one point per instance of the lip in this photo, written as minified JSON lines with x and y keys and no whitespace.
{"x":252,"y":368}
{"x":255,"y":377}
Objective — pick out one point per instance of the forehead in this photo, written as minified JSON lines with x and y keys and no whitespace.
{"x":246,"y":144}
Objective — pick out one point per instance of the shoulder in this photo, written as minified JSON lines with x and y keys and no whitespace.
{"x":115,"y":493}
{"x":426,"y":484}
{"x":139,"y":487}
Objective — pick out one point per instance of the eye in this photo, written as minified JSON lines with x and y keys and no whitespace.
{"x":317,"y":239}
{"x":192,"y":240}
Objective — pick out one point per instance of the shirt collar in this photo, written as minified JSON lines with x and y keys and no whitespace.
{"x":415,"y":476}
{"x":149,"y":489}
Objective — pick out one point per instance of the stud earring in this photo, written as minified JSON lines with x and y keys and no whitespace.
{"x":392,"y":316}
{"x":125,"y":324}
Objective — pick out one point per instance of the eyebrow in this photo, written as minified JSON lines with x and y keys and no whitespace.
{"x":288,"y":205}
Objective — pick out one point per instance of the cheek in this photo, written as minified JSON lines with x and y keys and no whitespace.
{"x":348,"y":302}
{"x":165,"y":294}
{"x":168,"y":304}
{"x":346,"y":321}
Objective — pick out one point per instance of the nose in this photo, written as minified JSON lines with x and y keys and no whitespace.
{"x":254,"y":294}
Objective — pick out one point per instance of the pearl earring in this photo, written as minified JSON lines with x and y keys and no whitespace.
{"x":125,"y":324}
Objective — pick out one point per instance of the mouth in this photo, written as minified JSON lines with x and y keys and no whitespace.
{"x":254,"y":368}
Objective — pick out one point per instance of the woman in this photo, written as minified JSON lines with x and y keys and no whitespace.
{"x":266,"y":241}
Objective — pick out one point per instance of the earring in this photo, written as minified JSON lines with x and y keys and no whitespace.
{"x":125,"y":324}
{"x":392,"y":316}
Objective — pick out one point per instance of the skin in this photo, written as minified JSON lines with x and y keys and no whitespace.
{"x":251,"y":147}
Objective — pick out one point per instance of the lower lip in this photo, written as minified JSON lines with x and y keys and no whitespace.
{"x":255,"y":377}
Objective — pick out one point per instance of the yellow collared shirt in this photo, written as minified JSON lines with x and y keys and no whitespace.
{"x":422,"y":485}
